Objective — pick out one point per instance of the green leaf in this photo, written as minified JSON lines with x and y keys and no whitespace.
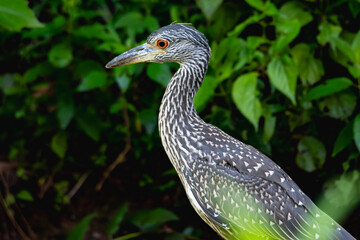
{"x":310,"y":69}
{"x":129,"y":236}
{"x":24,"y":195}
{"x":114,"y":223}
{"x":328,"y":33}
{"x":78,"y":232}
{"x":311,"y":154}
{"x":60,"y":55}
{"x":356,"y":131}
{"x":355,"y":46}
{"x":90,"y":124}
{"x":122,"y":81}
{"x":341,"y":195}
{"x":133,"y":22}
{"x":40,"y":69}
{"x":295,"y":10}
{"x":96,"y":31}
{"x":344,"y":139}
{"x":244,"y":97}
{"x":241,"y":26}
{"x":269,"y":127}
{"x":59,"y":144}
{"x":205,"y":92}
{"x":51,"y":29}
{"x":267,"y":7}
{"x":340,"y":105}
{"x":66,"y":109}
{"x":345,"y":48}
{"x":330,"y":87}
{"x":283,"y":75}
{"x":15,"y":15}
{"x":149,"y":219}
{"x":159,"y":73}
{"x":148,"y":118}
{"x":287,"y":32}
{"x":208,"y":7}
{"x":92,"y":80}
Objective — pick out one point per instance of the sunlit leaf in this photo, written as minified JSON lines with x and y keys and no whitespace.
{"x":208,"y":7}
{"x":328,"y":33}
{"x":287,"y":32}
{"x":344,"y":138}
{"x":329,"y":87}
{"x":283,"y":75}
{"x":60,"y":55}
{"x":265,"y":6}
{"x":295,"y":10}
{"x":356,"y":131}
{"x":244,"y":97}
{"x":311,"y":154}
{"x":78,"y":232}
{"x":59,"y":144}
{"x":15,"y":15}
{"x":147,"y":219}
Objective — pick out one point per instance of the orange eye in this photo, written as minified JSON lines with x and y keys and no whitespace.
{"x":162,"y":43}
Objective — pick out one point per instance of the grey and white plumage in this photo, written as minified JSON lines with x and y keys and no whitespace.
{"x":235,"y":189}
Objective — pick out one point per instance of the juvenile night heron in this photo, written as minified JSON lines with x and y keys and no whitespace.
{"x":235,"y":189}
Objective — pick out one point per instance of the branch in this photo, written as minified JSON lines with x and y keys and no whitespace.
{"x":10,"y":214}
{"x":121,"y":157}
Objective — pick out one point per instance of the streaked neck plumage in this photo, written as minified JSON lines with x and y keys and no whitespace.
{"x":177,"y":116}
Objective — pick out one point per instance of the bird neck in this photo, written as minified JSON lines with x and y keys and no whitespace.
{"x":177,"y":103}
{"x":177,"y":116}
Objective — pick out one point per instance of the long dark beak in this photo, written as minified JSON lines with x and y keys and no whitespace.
{"x":142,"y":53}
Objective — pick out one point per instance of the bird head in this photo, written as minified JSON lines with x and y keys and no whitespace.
{"x":173,"y":43}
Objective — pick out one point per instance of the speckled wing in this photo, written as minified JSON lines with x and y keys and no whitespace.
{"x":244,"y":192}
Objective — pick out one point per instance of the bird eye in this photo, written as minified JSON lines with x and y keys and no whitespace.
{"x":162,"y":43}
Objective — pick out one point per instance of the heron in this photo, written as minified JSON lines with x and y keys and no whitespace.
{"x":237,"y":190}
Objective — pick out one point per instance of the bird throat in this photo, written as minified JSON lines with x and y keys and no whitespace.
{"x":178,"y":120}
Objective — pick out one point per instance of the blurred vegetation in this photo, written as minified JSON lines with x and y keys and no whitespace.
{"x":80,"y":154}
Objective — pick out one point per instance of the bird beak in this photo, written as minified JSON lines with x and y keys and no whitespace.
{"x":142,"y":53}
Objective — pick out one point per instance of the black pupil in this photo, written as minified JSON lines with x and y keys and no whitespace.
{"x":161,"y":44}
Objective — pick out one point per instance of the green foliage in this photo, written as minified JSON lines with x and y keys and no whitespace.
{"x":311,"y":154}
{"x":78,"y":232}
{"x":147,"y":219}
{"x":284,"y":76}
{"x":115,"y":221}
{"x":244,"y":96}
{"x":15,"y":15}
